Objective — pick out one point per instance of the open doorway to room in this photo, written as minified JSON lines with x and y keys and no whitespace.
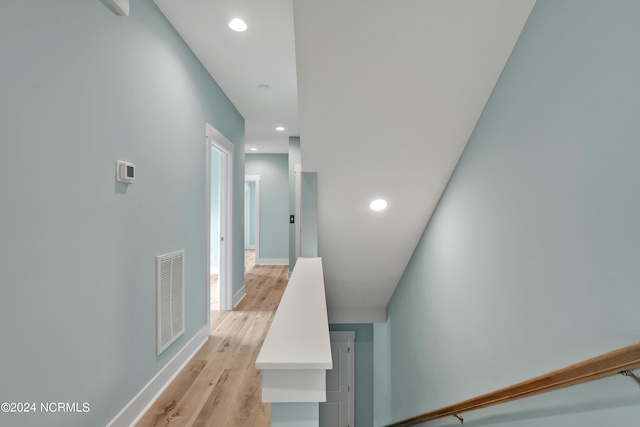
{"x":252,"y":220}
{"x":219,"y":203}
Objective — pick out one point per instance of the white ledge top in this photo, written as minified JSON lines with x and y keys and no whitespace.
{"x":299,"y":334}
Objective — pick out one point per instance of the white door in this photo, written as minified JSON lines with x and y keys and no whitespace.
{"x":337,"y":411}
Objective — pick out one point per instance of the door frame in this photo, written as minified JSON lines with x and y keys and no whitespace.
{"x":297,"y":170}
{"x":348,"y":337}
{"x":256,"y":179}
{"x":214,"y":139}
{"x":247,"y":237}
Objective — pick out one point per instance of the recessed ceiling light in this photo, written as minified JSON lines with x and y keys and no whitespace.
{"x":237,"y":24}
{"x":378,"y":205}
{"x":280,"y":128}
{"x":254,"y":149}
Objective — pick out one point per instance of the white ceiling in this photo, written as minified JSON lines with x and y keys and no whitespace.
{"x":389,"y":93}
{"x":240,"y":62}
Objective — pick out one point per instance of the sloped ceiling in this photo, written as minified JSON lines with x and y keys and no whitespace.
{"x":389,"y":93}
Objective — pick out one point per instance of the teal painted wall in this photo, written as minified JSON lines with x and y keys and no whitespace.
{"x":273,"y":209}
{"x":295,"y":158}
{"x":363,"y":366}
{"x":530,"y":261}
{"x":82,"y":88}
{"x":294,"y":415}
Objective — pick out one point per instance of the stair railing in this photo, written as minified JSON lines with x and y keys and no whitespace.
{"x":622,"y":361}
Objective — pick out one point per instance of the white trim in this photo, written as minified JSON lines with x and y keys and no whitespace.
{"x":272,"y":261}
{"x":342,"y":335}
{"x":297,"y":170}
{"x":238,"y":296}
{"x":136,"y":408}
{"x":357,"y":314}
{"x":256,"y":179}
{"x":349,"y":337}
{"x":225,"y":260}
{"x":246,"y":222}
{"x":296,"y":352}
{"x":294,"y":385}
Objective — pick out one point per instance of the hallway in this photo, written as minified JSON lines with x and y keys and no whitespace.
{"x":220,"y":386}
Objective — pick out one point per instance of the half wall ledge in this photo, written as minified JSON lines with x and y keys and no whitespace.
{"x":296,"y":352}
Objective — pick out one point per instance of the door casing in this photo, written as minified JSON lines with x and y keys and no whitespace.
{"x":215,"y":140}
{"x":345,"y":339}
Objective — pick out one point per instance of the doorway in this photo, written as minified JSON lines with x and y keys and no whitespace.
{"x":252,"y":220}
{"x":338,"y":410}
{"x":219,"y":205}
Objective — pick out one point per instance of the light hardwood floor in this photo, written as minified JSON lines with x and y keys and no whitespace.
{"x":249,"y":263}
{"x":214,"y":294}
{"x":220,"y":386}
{"x":249,"y":259}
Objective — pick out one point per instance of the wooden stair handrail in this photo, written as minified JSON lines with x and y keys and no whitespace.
{"x":612,"y":363}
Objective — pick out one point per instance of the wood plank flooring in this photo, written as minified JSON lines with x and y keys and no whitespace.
{"x":249,"y":259}
{"x":249,"y":263}
{"x":220,"y":386}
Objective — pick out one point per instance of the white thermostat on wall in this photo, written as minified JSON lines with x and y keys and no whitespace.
{"x":125,"y":171}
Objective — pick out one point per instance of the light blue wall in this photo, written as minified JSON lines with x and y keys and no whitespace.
{"x":274,"y":205}
{"x":363,"y":366}
{"x":295,"y":415}
{"x":81,"y":88}
{"x":530,"y":262}
{"x":295,"y":158}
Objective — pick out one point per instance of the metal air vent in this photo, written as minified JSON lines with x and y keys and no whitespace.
{"x":170,"y":298}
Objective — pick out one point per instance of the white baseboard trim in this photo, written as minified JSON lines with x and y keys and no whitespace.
{"x":272,"y":261}
{"x":357,"y":314}
{"x":135,"y":409}
{"x":238,"y":296}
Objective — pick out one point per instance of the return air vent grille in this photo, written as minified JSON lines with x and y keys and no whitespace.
{"x":170,"y":297}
